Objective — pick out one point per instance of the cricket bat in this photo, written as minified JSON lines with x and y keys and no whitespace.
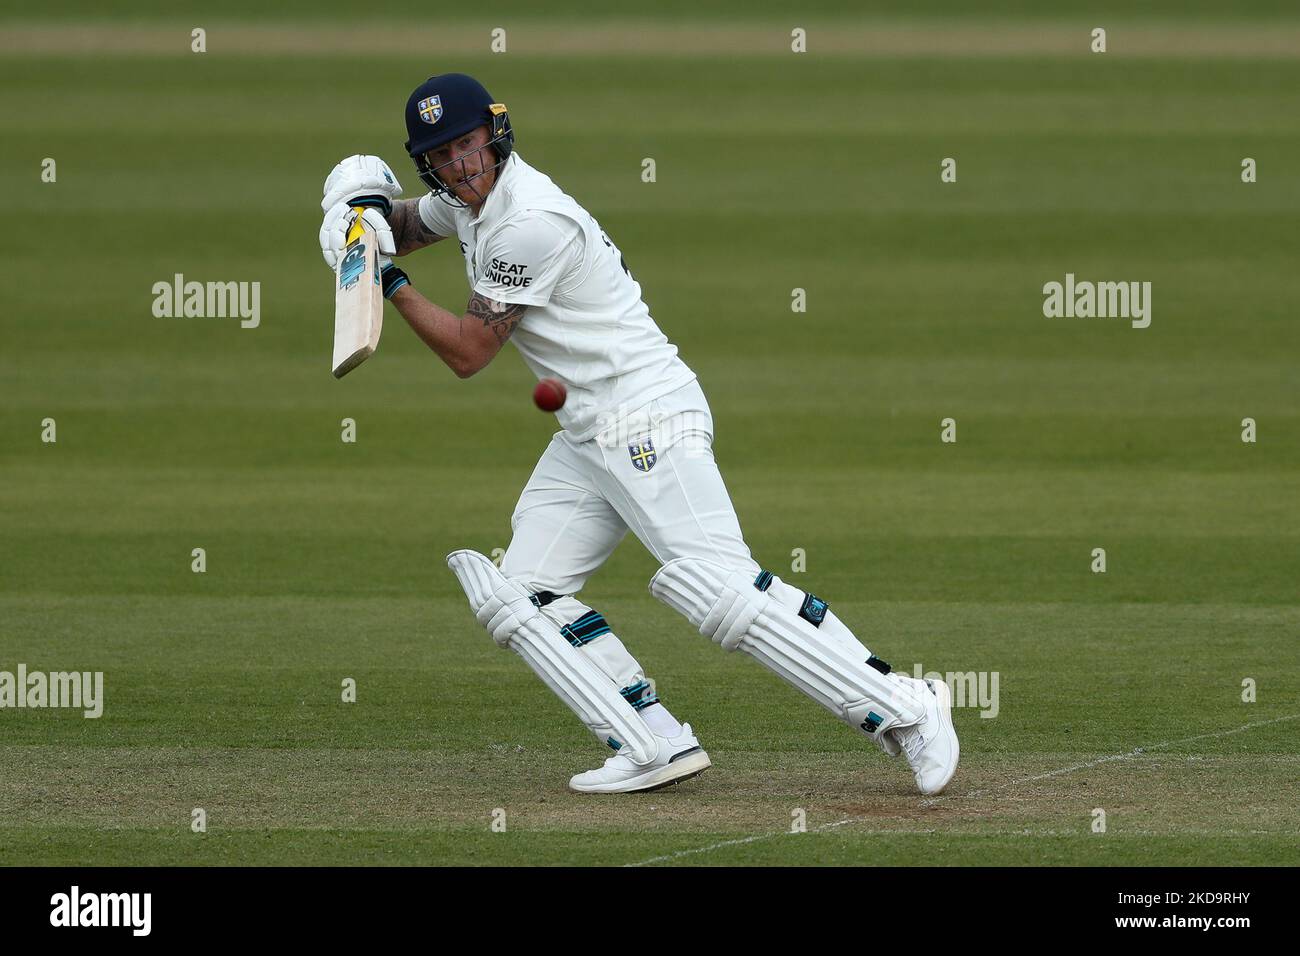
{"x":358,"y":299}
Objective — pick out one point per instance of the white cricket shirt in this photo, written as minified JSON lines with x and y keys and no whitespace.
{"x":586,"y":324}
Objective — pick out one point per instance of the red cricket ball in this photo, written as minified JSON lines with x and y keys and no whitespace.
{"x":549,"y":394}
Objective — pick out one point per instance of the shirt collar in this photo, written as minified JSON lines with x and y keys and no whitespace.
{"x":495,"y":203}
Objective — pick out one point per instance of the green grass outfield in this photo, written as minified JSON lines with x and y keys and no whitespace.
{"x":1120,"y":691}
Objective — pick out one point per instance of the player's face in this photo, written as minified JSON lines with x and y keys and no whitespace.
{"x":466,"y":165}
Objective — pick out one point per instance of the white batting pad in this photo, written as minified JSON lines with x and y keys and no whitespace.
{"x":728,"y":609}
{"x":508,"y":613}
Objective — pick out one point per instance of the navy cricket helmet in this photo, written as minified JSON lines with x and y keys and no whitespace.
{"x":443,"y":108}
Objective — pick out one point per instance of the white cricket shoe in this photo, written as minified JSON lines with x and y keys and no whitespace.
{"x":888,"y":744}
{"x":931,"y":746}
{"x":679,"y":759}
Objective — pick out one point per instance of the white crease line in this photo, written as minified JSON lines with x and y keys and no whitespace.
{"x":1136,"y":752}
{"x":738,"y":842}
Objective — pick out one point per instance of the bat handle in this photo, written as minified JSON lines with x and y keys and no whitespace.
{"x":358,"y":228}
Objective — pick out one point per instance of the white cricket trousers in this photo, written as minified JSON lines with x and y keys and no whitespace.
{"x":652,"y":472}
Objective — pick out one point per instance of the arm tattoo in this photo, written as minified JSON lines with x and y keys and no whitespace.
{"x":500,"y":317}
{"x":409,"y":231}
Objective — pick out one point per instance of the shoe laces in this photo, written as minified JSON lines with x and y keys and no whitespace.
{"x":911,"y":738}
{"x":913,"y":742}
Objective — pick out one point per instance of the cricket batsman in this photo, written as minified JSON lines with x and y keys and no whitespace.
{"x":634,"y":452}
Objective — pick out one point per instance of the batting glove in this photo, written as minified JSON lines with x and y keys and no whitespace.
{"x":361,"y":181}
{"x":334,"y":231}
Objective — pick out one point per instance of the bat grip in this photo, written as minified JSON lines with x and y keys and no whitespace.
{"x":358,"y":228}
